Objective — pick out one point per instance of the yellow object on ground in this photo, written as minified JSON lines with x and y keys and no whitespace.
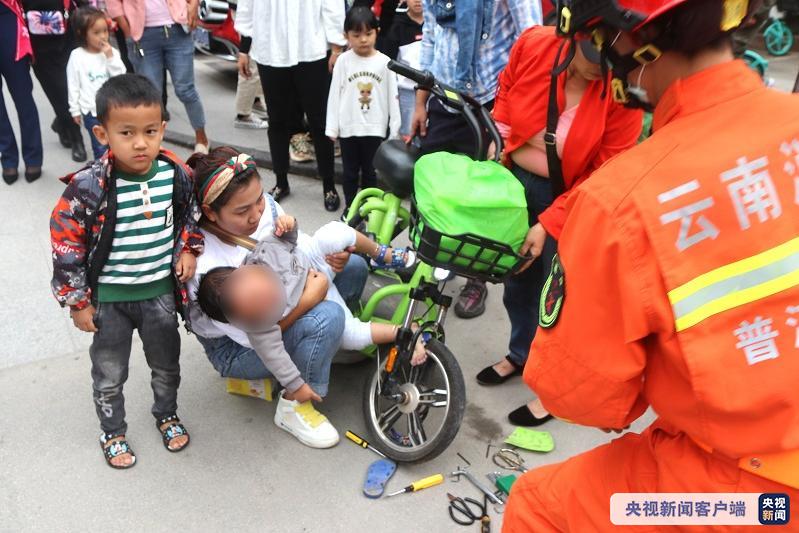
{"x":255,"y":388}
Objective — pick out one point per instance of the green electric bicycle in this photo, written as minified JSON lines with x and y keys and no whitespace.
{"x":414,"y":412}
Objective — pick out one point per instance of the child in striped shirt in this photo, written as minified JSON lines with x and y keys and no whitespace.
{"x":125,"y":237}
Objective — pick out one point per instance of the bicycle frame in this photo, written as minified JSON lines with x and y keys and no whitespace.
{"x":385,"y":217}
{"x":383,"y":212}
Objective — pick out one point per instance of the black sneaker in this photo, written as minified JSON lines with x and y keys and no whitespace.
{"x":278,"y":193}
{"x":332,"y":200}
{"x":472,"y":299}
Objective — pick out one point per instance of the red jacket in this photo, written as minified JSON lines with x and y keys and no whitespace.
{"x":600,"y":130}
{"x":23,"y":38}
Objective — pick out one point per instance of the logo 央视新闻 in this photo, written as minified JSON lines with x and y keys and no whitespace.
{"x":774,"y":509}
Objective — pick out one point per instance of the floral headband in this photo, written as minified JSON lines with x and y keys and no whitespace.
{"x":215,"y":184}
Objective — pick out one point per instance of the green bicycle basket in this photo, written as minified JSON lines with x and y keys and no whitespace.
{"x":469,"y":217}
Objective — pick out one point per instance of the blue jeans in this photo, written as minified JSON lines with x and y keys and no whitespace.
{"x":522,"y":293}
{"x":98,"y":148}
{"x":18,"y":81}
{"x":311,"y":341}
{"x":172,"y":48}
{"x":407,"y":102}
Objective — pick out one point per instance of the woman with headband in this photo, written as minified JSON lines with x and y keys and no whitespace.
{"x":233,"y":199}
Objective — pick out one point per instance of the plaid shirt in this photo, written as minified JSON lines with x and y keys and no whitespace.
{"x":439,"y":55}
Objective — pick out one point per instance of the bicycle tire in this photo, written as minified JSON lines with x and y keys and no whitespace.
{"x":452,"y":422}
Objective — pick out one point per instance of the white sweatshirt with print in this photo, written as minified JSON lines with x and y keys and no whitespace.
{"x":363,"y":99}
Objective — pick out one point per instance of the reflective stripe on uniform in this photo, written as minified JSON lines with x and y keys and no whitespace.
{"x":736,"y":284}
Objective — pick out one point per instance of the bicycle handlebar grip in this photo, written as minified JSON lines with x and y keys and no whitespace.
{"x":423,"y":78}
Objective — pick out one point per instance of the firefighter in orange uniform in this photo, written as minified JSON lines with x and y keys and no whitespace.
{"x":677,"y":280}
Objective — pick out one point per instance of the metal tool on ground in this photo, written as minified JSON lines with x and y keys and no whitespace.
{"x":362,"y":443}
{"x":467,"y":511}
{"x":502,"y":482}
{"x":425,"y":483}
{"x":482,"y":488}
{"x":465,"y":460}
{"x":510,"y":460}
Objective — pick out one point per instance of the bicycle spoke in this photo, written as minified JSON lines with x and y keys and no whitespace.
{"x":388,"y":418}
{"x":434,"y":398}
{"x":416,"y":429}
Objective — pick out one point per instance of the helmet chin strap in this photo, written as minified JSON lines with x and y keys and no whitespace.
{"x":623,"y":65}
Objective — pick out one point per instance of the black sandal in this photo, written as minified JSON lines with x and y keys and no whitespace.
{"x":115,"y":449}
{"x":174,"y":430}
{"x":489,"y":376}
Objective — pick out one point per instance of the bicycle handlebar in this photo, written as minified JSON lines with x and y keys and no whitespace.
{"x":477,"y":116}
{"x":423,"y":78}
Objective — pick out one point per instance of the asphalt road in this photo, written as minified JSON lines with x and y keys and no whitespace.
{"x":240,"y":470}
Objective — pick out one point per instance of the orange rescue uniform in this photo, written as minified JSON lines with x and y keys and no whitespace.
{"x":681,"y":281}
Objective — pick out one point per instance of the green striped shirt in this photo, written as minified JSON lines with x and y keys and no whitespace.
{"x":139,"y":266}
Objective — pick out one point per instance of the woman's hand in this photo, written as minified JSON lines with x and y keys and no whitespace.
{"x":338,"y":261}
{"x":304,"y":394}
{"x":84,"y":319}
{"x":243,"y":64}
{"x":316,"y":285}
{"x":187,"y":265}
{"x":77,"y":120}
{"x":533,"y":245}
{"x":192,"y":14}
{"x":284,"y":224}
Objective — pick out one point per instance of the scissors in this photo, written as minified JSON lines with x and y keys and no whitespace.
{"x":466,"y":511}
{"x":510,"y":460}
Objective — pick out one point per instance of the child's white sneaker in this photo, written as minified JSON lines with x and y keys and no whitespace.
{"x":308,"y":425}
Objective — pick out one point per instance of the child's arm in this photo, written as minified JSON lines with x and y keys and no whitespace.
{"x":269,"y":346}
{"x":114,"y":62}
{"x":333,"y":101}
{"x":70,"y":283}
{"x":73,"y":88}
{"x":394,"y":115}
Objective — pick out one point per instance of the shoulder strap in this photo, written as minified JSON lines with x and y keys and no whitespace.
{"x":272,"y":207}
{"x":227,"y":237}
{"x":553,"y":116}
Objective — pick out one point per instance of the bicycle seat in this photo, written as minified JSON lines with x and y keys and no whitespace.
{"x":394,"y":163}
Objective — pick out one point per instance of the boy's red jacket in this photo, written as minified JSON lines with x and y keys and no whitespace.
{"x":82,"y":228}
{"x":601,"y":128}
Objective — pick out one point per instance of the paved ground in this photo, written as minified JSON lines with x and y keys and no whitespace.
{"x":240,"y":470}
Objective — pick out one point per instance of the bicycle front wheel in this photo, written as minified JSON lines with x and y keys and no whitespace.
{"x":427,"y":419}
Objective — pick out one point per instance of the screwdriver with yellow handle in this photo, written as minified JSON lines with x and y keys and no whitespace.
{"x":363,"y":444}
{"x":425,"y":483}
